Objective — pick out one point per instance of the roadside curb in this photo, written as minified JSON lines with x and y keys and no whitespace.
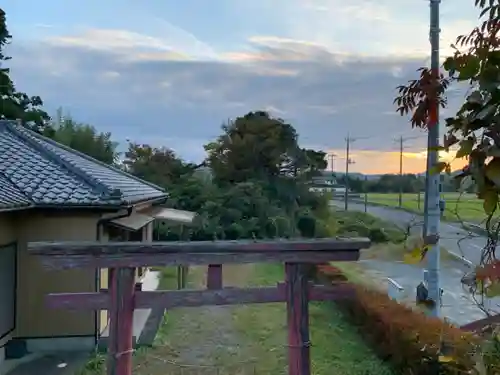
{"x":460,"y":258}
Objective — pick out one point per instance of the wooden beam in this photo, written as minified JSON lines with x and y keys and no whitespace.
{"x":90,"y":260}
{"x":297,"y":303}
{"x":241,"y":246}
{"x":481,"y":324}
{"x":195,"y":298}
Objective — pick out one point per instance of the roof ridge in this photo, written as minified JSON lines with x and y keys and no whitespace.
{"x":94,"y":183}
{"x":90,"y":158}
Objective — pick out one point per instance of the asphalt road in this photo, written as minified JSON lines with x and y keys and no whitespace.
{"x":452,"y":236}
{"x":457,"y":302}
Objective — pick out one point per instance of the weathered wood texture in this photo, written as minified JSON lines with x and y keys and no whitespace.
{"x":121,"y":299}
{"x":196,"y":298}
{"x":121,"y":321}
{"x":481,"y":324}
{"x":298,"y":319}
{"x":214,"y":276}
{"x":140,"y":260}
{"x":241,"y":246}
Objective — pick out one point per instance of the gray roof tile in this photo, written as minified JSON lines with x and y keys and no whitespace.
{"x":49,"y":173}
{"x":11,"y":196}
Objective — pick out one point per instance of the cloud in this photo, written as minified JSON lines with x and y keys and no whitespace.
{"x":137,"y":46}
{"x":161,"y":91}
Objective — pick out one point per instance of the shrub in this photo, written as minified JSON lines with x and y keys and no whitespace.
{"x":366,"y":225}
{"x":410,"y":340}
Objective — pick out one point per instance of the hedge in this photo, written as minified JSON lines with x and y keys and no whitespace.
{"x":412,"y":342}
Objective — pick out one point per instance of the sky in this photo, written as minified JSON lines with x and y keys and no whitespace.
{"x":170,"y":72}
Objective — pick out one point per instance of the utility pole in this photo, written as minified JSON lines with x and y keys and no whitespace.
{"x":346,"y":179}
{"x":401,"y":140}
{"x":366,"y":193}
{"x":433,"y":188}
{"x":332,"y":166}
{"x":426,"y":187}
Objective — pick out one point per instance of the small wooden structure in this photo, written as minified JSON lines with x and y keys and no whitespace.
{"x":122,"y":298}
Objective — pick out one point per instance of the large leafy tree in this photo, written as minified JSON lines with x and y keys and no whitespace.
{"x":82,"y":137}
{"x":257,"y":146}
{"x":158,"y":165}
{"x":255,"y":187}
{"x":15,"y":104}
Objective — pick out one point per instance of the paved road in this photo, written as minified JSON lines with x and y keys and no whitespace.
{"x":457,"y":303}
{"x":453,"y":237}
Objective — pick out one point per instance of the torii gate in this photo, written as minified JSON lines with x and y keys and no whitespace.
{"x":123,"y":257}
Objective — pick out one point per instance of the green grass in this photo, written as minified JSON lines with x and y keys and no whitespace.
{"x":96,"y":365}
{"x":360,"y":224}
{"x":467,"y":206}
{"x":337,"y":347}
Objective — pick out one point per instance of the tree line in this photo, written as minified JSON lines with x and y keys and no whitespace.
{"x":253,"y":182}
{"x":394,"y":183}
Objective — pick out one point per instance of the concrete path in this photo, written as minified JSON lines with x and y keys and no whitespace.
{"x":68,"y":363}
{"x":458,"y":305}
{"x":146,"y":323}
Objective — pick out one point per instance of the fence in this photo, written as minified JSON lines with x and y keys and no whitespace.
{"x":122,"y":298}
{"x":394,"y":289}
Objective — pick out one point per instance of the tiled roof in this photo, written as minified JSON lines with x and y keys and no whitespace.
{"x":46,"y":173}
{"x":11,"y":196}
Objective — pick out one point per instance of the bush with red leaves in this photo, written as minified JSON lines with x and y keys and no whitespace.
{"x":407,"y":338}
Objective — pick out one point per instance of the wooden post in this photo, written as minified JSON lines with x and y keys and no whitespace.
{"x":298,"y":319}
{"x":179,"y":277}
{"x":122,"y":258}
{"x":214,"y":276}
{"x":185,"y":270}
{"x":121,"y":321}
{"x":182,"y":272}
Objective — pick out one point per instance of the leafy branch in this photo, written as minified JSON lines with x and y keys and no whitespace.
{"x":475,"y":128}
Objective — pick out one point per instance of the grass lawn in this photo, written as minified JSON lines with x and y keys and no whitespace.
{"x":249,"y":339}
{"x":337,"y":348}
{"x":467,"y":206}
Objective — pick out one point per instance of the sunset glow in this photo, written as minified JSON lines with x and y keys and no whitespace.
{"x":379,"y":162}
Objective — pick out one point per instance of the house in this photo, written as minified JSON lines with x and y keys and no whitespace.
{"x":49,"y":192}
{"x":326,"y":184}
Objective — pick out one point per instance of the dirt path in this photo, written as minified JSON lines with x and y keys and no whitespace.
{"x":251,"y":339}
{"x":204,"y":339}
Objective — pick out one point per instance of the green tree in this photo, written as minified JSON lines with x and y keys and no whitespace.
{"x":393,"y":183}
{"x":15,"y":104}
{"x":158,"y":165}
{"x":82,"y":137}
{"x":257,"y":146}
